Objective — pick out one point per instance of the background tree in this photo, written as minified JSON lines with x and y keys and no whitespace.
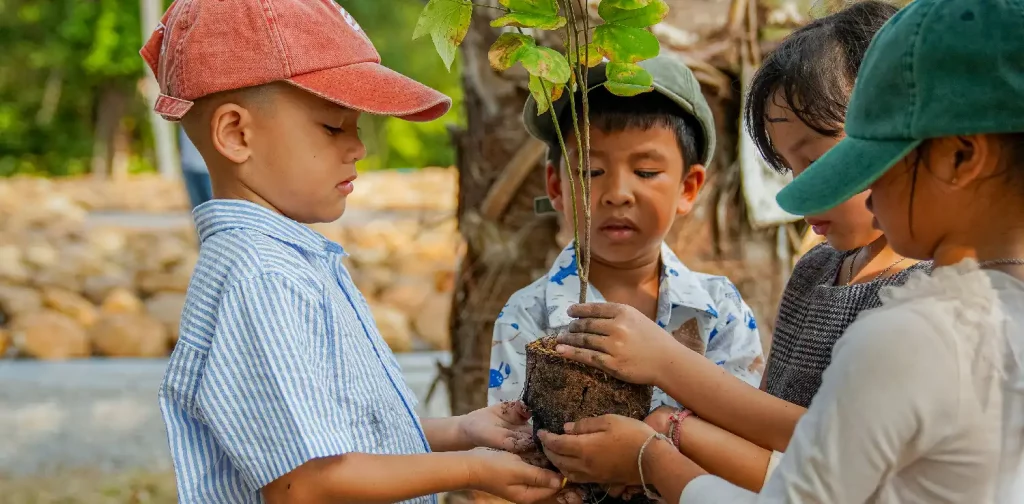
{"x":71,"y":102}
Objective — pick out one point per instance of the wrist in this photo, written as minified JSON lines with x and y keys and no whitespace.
{"x":675,"y":427}
{"x":467,"y":465}
{"x":651,"y":455}
{"x":668,"y":360}
{"x":459,"y":434}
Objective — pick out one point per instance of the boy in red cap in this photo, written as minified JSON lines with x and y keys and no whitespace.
{"x":280,"y":388}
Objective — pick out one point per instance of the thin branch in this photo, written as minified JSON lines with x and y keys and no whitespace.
{"x":585,"y":71}
{"x":573,"y":54}
{"x":568,"y":169}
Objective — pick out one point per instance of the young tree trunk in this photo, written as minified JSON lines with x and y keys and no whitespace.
{"x":507,"y":248}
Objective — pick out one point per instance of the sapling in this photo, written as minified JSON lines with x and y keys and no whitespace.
{"x":558,"y":390}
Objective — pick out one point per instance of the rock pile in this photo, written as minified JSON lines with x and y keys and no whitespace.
{"x":69,"y":289}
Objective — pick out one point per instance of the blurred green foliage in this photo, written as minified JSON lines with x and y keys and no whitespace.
{"x":393,"y":143}
{"x":73,"y":51}
{"x":61,"y":59}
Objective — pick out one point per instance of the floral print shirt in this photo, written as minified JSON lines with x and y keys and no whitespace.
{"x":691,"y":305}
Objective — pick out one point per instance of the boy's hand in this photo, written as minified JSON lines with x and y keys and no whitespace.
{"x":507,"y":476}
{"x":620,"y":341}
{"x":502,"y":426}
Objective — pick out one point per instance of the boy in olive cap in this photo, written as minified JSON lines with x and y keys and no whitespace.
{"x":648,"y":157}
{"x":281,"y":388}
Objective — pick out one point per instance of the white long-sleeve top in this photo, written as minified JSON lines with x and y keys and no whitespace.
{"x":923,"y":402}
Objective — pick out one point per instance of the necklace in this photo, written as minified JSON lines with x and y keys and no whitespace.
{"x":849,"y":276}
{"x":1001,"y":262}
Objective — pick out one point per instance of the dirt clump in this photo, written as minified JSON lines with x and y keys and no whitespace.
{"x":559,"y":391}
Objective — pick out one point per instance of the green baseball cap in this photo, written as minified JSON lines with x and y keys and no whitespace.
{"x":938,"y":68}
{"x":672,"y":78}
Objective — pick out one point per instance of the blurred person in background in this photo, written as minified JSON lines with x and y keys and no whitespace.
{"x":193,"y":171}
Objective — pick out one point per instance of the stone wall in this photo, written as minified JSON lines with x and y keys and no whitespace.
{"x":101,"y":267}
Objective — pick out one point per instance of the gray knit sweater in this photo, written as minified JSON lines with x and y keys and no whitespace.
{"x":813,"y":314}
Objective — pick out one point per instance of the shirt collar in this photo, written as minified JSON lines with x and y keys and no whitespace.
{"x":679,"y":286}
{"x":219,"y":215}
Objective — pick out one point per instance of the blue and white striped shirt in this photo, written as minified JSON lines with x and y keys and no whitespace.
{"x":279,"y":361}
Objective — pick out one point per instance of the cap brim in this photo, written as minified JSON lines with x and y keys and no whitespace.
{"x":844,"y":171}
{"x":375,"y":89}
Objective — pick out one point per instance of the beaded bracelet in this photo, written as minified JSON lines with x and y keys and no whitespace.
{"x":640,"y":463}
{"x":675,"y":426}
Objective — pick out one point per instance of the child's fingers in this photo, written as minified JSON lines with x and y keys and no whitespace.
{"x":521,"y":442}
{"x":601,"y":327}
{"x":514,"y":412}
{"x":595,"y":310}
{"x":536,"y":477}
{"x":584,"y":356}
{"x":567,"y":465}
{"x":584,"y":339}
{"x":562,"y":446}
{"x":591,"y":425}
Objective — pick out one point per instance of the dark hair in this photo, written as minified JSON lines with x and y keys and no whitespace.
{"x":813,"y":69}
{"x":1016,"y":143}
{"x":612,"y":114}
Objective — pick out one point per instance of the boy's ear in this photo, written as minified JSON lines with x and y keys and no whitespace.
{"x":553,"y":184}
{"x":231,"y":132}
{"x":693,"y":181}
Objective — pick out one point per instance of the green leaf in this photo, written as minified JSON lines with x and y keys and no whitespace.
{"x":625,"y":4}
{"x":542,"y":91}
{"x":546,"y":63}
{"x":525,"y":20}
{"x":641,"y":17}
{"x":588,"y":50}
{"x":625,"y":44}
{"x":542,"y":14}
{"x":509,"y":50}
{"x":542,"y":62}
{"x":626,"y":79}
{"x":548,"y":7}
{"x":447,"y":22}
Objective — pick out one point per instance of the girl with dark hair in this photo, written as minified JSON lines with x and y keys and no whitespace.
{"x":794,"y":111}
{"x":924,"y":398}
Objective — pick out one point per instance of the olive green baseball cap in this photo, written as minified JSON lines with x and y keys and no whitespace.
{"x":937,"y":68}
{"x":672,"y":78}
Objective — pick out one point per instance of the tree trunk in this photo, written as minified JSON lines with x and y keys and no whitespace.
{"x":109,"y":112}
{"x":505,"y":250}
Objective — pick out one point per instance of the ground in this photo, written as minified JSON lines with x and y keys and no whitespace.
{"x":86,"y":488}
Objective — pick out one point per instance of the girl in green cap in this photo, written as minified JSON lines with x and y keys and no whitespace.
{"x":924,"y":398}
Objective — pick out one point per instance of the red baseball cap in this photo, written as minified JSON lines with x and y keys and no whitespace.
{"x":203,"y":47}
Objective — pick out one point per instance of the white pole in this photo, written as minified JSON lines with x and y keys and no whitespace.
{"x":163,"y":131}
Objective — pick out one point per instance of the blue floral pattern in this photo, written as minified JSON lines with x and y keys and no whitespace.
{"x":725,"y":321}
